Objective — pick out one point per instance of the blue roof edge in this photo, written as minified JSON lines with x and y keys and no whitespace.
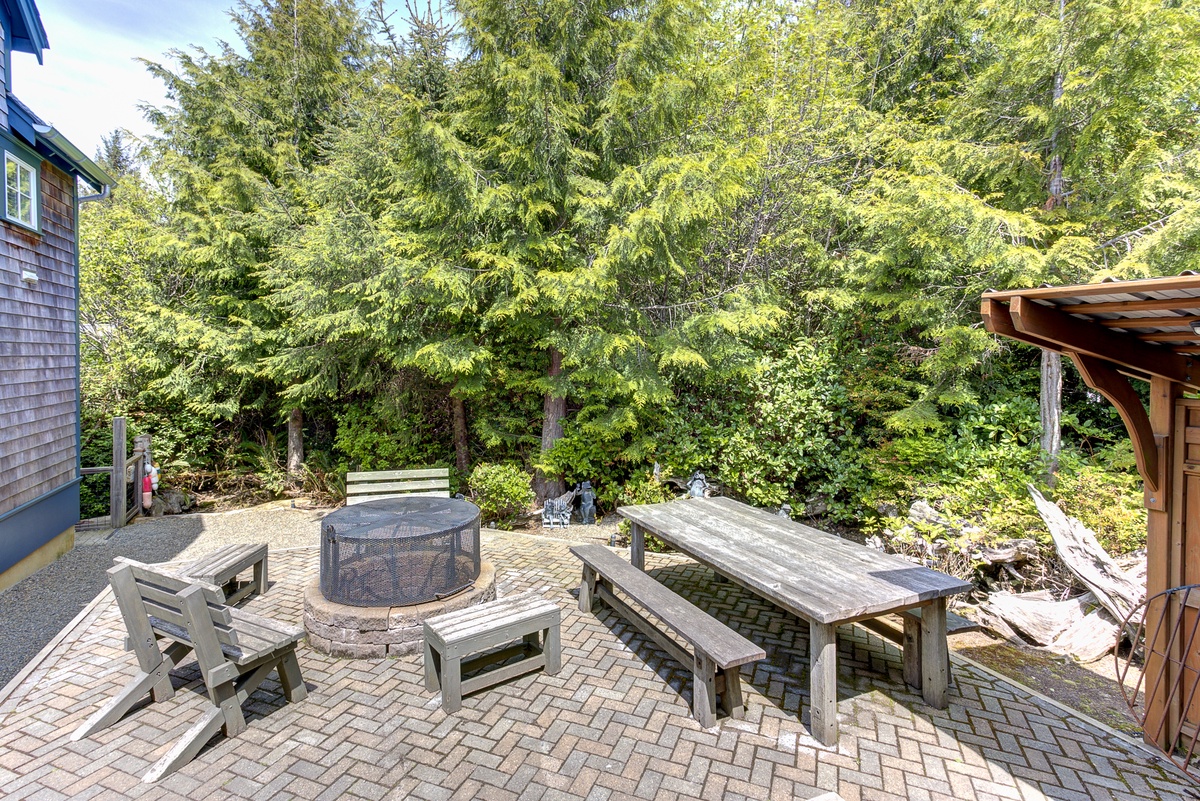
{"x":28,"y":34}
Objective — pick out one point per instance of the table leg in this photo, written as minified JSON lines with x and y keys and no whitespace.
{"x":935,"y":656}
{"x":637,"y":546}
{"x":822,"y":644}
{"x":912,"y":651}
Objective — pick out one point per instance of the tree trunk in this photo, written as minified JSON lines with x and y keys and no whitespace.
{"x":1056,"y":188}
{"x":554,"y":409}
{"x":462,"y":453}
{"x":1050,"y":411}
{"x":295,"y":445}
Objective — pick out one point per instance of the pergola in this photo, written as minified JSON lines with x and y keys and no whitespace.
{"x":1148,"y":330}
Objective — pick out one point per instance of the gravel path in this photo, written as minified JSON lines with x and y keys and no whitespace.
{"x":33,"y":611}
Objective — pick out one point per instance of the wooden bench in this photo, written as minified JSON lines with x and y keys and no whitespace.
{"x":906,"y":633}
{"x":374,"y":486}
{"x":222,"y":566}
{"x":236,"y":651}
{"x":454,"y":636}
{"x":718,"y":652}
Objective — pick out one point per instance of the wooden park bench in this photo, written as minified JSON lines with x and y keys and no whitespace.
{"x":453,"y":637}
{"x":718,"y":652}
{"x":374,"y":486}
{"x":906,"y":633}
{"x":236,"y":651}
{"x":222,"y":567}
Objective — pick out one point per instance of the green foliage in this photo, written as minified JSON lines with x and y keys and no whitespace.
{"x":749,"y":239}
{"x":1105,"y":494}
{"x":786,"y":434}
{"x":501,"y":491}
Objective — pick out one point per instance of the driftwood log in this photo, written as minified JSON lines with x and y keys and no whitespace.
{"x":1081,"y":552}
{"x":1077,"y":627}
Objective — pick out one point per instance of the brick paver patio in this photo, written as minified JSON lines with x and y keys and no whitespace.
{"x":613,"y":724}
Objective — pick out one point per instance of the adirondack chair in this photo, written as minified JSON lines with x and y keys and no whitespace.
{"x":236,"y":651}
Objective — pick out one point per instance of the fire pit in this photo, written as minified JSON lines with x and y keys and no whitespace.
{"x":387,"y":565}
{"x":399,"y":551}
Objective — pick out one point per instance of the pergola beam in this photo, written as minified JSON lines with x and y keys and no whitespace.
{"x":1070,"y":334}
{"x":997,"y":320}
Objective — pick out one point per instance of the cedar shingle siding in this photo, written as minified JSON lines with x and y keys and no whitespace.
{"x":38,"y":355}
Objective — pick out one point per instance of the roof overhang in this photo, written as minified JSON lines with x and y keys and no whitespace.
{"x":28,"y":35}
{"x":1115,"y":330}
{"x":49,"y":138}
{"x":1143,"y":327}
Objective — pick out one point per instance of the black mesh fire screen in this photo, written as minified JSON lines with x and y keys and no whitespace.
{"x":399,"y":551}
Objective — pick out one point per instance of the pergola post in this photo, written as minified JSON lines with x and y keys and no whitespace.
{"x":1164,"y":534}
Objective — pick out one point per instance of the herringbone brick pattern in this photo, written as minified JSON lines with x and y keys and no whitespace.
{"x":613,"y":724}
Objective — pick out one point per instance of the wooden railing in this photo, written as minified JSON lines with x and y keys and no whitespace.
{"x":124,"y":472}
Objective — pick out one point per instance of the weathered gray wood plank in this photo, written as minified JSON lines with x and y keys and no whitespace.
{"x":816,"y":575}
{"x":700,"y":629}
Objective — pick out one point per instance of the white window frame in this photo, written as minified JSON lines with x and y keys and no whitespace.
{"x":10,"y":214}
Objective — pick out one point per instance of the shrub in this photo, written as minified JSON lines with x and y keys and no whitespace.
{"x":501,"y":491}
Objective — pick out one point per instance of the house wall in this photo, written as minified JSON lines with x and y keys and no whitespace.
{"x":39,"y":408}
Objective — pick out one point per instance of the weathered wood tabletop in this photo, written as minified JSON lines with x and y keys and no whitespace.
{"x":820,"y":577}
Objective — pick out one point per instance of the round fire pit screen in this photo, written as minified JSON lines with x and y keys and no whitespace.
{"x":399,"y":551}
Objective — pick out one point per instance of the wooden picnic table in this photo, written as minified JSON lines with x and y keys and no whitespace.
{"x":819,"y":577}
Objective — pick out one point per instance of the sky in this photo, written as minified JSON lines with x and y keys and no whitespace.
{"x":90,"y":81}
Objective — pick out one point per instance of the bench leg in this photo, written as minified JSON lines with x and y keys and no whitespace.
{"x":911,"y":649}
{"x":260,"y":575}
{"x":433,"y":668}
{"x":289,"y":676}
{"x":587,"y":589}
{"x":935,"y":656}
{"x":822,"y":647}
{"x":704,"y":691}
{"x":451,"y":685}
{"x":187,"y":748}
{"x":731,"y":699}
{"x":553,"y":649}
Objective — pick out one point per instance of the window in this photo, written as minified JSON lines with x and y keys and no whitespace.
{"x":20,"y":191}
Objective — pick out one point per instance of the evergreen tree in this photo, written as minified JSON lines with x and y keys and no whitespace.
{"x":234,"y":149}
{"x":542,"y":225}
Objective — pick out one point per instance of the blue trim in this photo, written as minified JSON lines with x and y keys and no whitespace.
{"x":28,"y":35}
{"x":32,"y":525}
{"x":78,"y":353}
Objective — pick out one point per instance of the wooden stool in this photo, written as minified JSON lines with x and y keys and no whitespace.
{"x":451,"y":637}
{"x":221,"y":567}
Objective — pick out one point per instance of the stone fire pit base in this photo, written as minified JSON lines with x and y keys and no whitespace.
{"x":366,"y":632}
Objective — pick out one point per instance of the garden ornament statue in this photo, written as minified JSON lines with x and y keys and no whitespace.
{"x":587,"y":504}
{"x":785,"y":510}
{"x":697,"y":485}
{"x":557,"y":511}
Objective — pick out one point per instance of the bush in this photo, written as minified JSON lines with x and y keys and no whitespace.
{"x":501,"y":491}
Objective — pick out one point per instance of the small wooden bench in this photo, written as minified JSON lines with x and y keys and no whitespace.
{"x":906,"y":633}
{"x":374,"y":486}
{"x":454,"y":636}
{"x":236,"y":651}
{"x":222,"y":566}
{"x":718,"y":652}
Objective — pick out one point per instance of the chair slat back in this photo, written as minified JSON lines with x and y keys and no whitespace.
{"x":372,"y":486}
{"x":154,"y":594}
